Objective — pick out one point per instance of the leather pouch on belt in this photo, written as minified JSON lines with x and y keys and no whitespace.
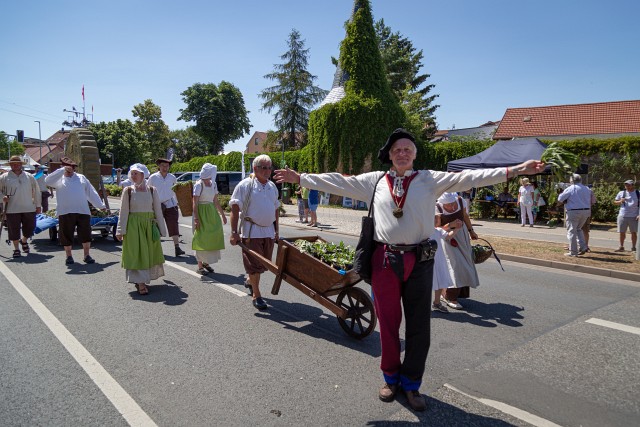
{"x":427,"y":250}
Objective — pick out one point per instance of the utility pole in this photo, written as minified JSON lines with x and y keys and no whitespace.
{"x":39,"y":139}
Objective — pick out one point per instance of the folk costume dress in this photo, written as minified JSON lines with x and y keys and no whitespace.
{"x":142,"y":256}
{"x":398,"y":280}
{"x":458,"y":250}
{"x":442,"y":270}
{"x":208,"y":239}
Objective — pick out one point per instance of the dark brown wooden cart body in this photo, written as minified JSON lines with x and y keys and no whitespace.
{"x":320,"y":282}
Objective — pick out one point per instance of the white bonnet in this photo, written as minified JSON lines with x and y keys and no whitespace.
{"x":208,"y":171}
{"x":140,"y":168}
{"x":447,"y":198}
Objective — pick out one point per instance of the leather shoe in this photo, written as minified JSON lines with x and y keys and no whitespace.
{"x":388,"y":392}
{"x":260,"y":304}
{"x":89,"y":260}
{"x":416,"y":400}
{"x":179,"y":251}
{"x":69,"y":260}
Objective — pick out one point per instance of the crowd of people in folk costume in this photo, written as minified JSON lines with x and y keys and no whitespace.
{"x":411,"y":207}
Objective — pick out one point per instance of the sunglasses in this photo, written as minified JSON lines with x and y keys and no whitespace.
{"x":264,"y":168}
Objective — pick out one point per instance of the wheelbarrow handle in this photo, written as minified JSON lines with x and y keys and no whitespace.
{"x":264,"y":261}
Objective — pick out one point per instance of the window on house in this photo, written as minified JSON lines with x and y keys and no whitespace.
{"x":256,"y":141}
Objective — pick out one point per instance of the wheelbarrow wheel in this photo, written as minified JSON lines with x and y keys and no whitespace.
{"x":361,"y":317}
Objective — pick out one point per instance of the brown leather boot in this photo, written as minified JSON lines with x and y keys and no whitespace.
{"x":388,"y":392}
{"x":416,"y":400}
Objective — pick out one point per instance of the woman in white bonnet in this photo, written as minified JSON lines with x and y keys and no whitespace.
{"x":525,"y":201}
{"x":140,"y":226}
{"x":450,"y":216}
{"x":208,"y":237}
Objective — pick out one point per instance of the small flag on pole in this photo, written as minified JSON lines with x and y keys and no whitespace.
{"x":83,"y":92}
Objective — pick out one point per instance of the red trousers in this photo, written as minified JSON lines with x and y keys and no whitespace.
{"x":399,"y":282}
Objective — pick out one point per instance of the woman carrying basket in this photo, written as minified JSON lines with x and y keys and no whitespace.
{"x":451,"y":215}
{"x":139,"y":228}
{"x":208,"y":237}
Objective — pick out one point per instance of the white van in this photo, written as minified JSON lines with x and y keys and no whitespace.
{"x":225,"y":180}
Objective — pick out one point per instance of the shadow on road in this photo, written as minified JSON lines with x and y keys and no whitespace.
{"x":483,"y":314}
{"x":316,"y":323}
{"x":168,"y":293}
{"x":439,"y":413}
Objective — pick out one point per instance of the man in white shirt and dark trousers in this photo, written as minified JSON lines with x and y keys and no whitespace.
{"x":578,"y":199}
{"x":163,"y":181}
{"x":22,"y":201}
{"x":628,"y":215}
{"x":73,"y":192}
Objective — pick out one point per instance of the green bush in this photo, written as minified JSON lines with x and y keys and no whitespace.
{"x":114,"y":190}
{"x":605,"y":210}
{"x":224,"y":202}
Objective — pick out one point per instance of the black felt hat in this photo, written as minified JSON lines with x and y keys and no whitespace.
{"x":161,"y":160}
{"x":383,"y":154}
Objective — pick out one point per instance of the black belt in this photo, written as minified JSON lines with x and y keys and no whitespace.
{"x":581,"y":209}
{"x":398,"y":248}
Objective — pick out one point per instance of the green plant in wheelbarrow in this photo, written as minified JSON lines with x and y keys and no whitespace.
{"x":339,"y":256}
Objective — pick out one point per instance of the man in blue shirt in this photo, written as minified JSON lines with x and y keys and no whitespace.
{"x":578,"y":200}
{"x":628,"y":215}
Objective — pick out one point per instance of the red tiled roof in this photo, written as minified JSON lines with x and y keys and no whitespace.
{"x":577,"y":119}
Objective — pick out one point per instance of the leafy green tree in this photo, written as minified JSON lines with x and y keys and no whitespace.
{"x":218,"y":111}
{"x":402,"y":64}
{"x":10,"y":145}
{"x":156,"y":133}
{"x":187,"y":144}
{"x":294,"y":95}
{"x":122,"y":138}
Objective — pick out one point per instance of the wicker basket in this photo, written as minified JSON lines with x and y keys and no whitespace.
{"x":481,"y":253}
{"x":183,"y":193}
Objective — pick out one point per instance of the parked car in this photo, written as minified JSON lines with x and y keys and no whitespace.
{"x":226,"y":181}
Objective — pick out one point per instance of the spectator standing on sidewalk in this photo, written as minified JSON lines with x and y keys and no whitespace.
{"x":305,"y":202}
{"x":314,"y":200}
{"x":163,"y":181}
{"x":300,"y":205}
{"x":525,"y":201}
{"x":22,"y":200}
{"x":74,"y":191}
{"x":628,"y":200}
{"x":578,"y":200}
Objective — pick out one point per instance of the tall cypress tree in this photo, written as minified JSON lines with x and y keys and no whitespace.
{"x":346,"y":135}
{"x":294,"y":95}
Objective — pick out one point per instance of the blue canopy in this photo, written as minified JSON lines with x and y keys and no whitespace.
{"x":502,"y":153}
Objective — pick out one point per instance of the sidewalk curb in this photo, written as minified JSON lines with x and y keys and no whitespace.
{"x":596,"y":271}
{"x":573,"y":267}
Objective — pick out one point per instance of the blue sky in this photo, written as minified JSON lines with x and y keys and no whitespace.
{"x":483,"y":56}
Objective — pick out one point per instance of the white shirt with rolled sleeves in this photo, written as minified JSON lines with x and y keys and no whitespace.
{"x":73,"y":193}
{"x":262,"y":207}
{"x":163,"y":185}
{"x":23,"y":191}
{"x":416,"y":223}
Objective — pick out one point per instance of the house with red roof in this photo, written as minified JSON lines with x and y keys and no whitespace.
{"x":594,"y":120}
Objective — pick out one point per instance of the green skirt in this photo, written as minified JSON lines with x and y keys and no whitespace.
{"x":209,"y":236}
{"x":139,"y":250}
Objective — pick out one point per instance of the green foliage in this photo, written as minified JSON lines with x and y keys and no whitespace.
{"x":11,"y":145}
{"x":294,"y":95}
{"x":339,"y":256}
{"x":113,"y":189}
{"x":156,"y":133}
{"x":436,"y":155}
{"x":590,"y":146}
{"x":122,"y":138}
{"x":218,"y":111}
{"x":604,"y":209}
{"x":187,"y":144}
{"x":347,"y":135}
{"x":224,"y":201}
{"x":562,"y":161}
{"x":402,"y":64}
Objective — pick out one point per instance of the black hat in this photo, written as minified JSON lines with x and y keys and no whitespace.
{"x":160,"y":160}
{"x":383,"y":154}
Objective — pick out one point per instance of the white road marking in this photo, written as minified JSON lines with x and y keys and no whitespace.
{"x":614,"y":325}
{"x":218,"y":284}
{"x":510,"y":410}
{"x":130,"y":410}
{"x":185,"y":225}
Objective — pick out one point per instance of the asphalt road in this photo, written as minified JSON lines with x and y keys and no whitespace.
{"x":195,"y":351}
